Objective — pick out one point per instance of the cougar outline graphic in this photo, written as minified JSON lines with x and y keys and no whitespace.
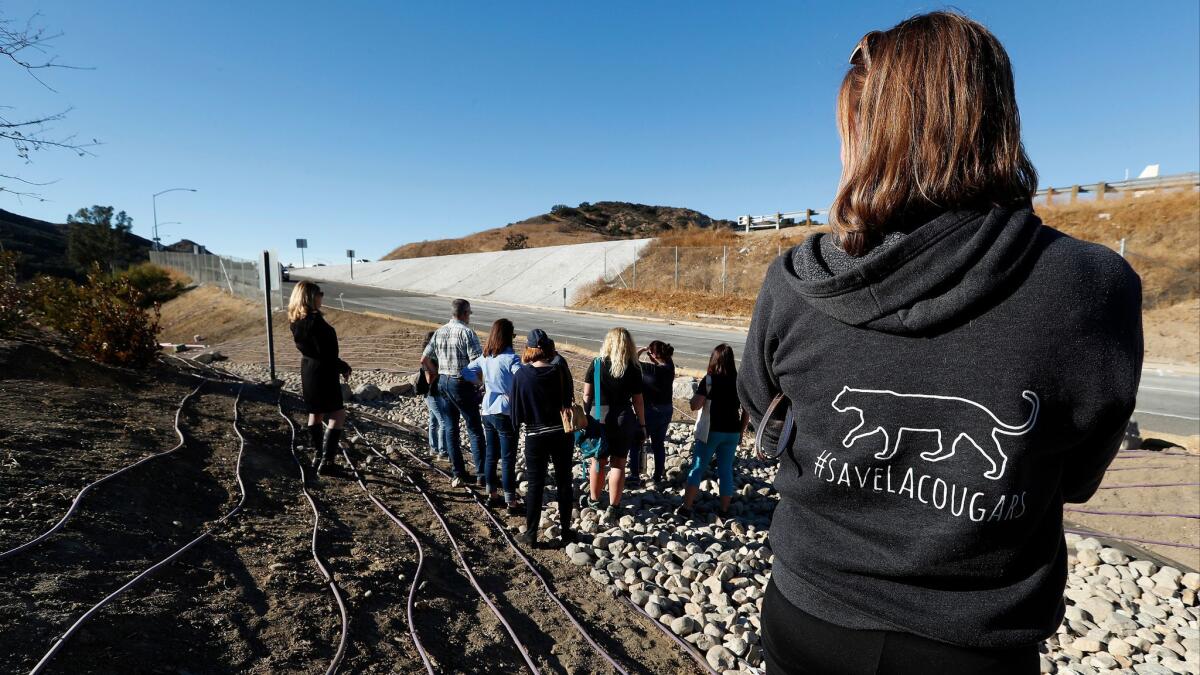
{"x":941,"y":415}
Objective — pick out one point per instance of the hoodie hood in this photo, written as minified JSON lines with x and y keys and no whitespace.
{"x":939,"y":272}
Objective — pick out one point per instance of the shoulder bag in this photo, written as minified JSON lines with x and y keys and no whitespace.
{"x":590,"y":440}
{"x":704,"y":418}
{"x":574,"y":418}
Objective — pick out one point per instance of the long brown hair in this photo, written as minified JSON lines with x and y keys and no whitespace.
{"x":721,"y":362}
{"x":500,"y":339}
{"x":928,"y":119}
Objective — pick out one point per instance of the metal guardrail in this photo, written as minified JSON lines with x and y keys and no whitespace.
{"x":1173,"y":182}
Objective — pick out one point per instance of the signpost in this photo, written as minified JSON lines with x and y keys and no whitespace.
{"x":350,"y":255}
{"x":302,"y":244}
{"x":266,"y":276}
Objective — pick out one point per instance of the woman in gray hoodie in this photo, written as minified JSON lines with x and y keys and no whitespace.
{"x":957,"y":371}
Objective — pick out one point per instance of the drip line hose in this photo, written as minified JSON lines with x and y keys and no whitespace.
{"x":325,"y":573}
{"x":1146,"y":485}
{"x":470,"y":575}
{"x":58,"y":643}
{"x":412,"y":589}
{"x":1133,"y":514}
{"x":87,"y":488}
{"x":1088,"y":533}
{"x":508,"y":539}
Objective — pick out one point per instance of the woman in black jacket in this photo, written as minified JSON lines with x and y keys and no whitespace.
{"x":658,"y":380}
{"x":319,"y":370}
{"x":541,"y":389}
{"x":957,"y":371}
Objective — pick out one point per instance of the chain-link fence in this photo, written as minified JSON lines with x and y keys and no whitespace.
{"x":239,"y":277}
{"x":736,"y":270}
{"x":1168,"y":269}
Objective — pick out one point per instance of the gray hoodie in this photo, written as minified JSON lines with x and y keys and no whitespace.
{"x":952,"y":391}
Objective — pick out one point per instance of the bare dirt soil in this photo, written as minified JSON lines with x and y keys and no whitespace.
{"x":250,"y":599}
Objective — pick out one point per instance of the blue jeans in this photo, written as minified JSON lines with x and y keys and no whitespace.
{"x":439,"y":426}
{"x":462,"y":403}
{"x":658,"y":419}
{"x":724,"y":445}
{"x":501,"y":440}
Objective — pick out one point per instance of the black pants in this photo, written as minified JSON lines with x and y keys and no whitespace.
{"x":539,"y":451}
{"x":796,"y":642}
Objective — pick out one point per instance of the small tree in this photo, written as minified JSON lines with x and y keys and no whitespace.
{"x":515,"y":242}
{"x":98,"y":236}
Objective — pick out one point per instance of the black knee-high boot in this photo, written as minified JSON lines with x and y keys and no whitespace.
{"x":316,"y":438}
{"x":332,"y":436}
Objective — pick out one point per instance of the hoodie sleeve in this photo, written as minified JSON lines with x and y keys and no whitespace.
{"x":1111,"y":392}
{"x":756,"y":383}
{"x":517,"y":408}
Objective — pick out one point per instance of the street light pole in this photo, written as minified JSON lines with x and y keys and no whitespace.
{"x":154,"y":204}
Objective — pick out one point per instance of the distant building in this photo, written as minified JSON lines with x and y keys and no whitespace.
{"x":188,"y":246}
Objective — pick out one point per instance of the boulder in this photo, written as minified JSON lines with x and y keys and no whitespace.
{"x":367,"y":392}
{"x":683,"y":387}
{"x":402,"y":389}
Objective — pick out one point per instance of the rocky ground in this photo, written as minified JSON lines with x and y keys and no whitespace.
{"x":704,"y":578}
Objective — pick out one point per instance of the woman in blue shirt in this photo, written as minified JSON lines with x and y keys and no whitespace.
{"x":496,"y":368}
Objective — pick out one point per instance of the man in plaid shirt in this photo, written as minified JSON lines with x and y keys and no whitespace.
{"x":450,"y":349}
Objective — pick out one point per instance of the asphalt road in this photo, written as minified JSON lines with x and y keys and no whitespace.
{"x":1168,"y":402}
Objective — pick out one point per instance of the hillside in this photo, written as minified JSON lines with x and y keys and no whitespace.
{"x":1162,"y":242}
{"x":600,"y":221}
{"x":43,"y":245}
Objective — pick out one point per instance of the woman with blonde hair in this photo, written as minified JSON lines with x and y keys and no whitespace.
{"x":957,"y":371}
{"x":319,"y":371}
{"x":622,"y":412}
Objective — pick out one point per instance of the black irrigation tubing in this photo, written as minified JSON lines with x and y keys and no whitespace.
{"x":687,"y":648}
{"x":412,"y":589}
{"x":87,"y":488}
{"x":58,"y":643}
{"x":1118,"y":537}
{"x":520,"y":554}
{"x":337,"y":595}
{"x":467,"y":569}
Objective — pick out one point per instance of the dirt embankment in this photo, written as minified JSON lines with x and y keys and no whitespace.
{"x":1162,"y":242}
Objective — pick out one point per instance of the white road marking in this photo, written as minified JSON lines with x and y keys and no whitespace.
{"x":1162,"y":414}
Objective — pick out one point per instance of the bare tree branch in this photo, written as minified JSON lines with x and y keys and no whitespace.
{"x":25,"y":45}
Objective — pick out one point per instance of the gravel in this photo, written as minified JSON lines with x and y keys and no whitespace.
{"x":704,"y":578}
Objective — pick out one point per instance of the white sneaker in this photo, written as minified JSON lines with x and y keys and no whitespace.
{"x":455,"y":482}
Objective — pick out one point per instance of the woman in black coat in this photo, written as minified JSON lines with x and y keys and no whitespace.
{"x":319,"y":370}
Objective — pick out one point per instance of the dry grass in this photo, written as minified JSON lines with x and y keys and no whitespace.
{"x":670,"y":305}
{"x":540,"y":234}
{"x":220,"y":317}
{"x":1172,"y":333}
{"x":1162,"y":238}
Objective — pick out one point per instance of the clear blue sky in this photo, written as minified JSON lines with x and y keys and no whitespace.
{"x":367,"y":125}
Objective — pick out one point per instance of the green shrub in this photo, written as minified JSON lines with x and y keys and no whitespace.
{"x":12,"y":295}
{"x":153,"y":282}
{"x":515,"y":242}
{"x":103,"y":319}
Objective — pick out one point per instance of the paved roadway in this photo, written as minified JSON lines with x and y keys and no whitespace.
{"x":1168,"y":402}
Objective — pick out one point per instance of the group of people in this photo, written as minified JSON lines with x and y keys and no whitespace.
{"x":496,"y":393}
{"x":939,"y":374}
